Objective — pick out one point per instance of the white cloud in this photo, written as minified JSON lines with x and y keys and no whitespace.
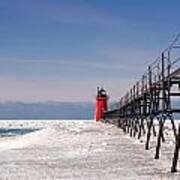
{"x":118,"y":69}
{"x":13,"y":89}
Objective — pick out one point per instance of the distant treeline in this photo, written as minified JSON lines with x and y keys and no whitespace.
{"x":47,"y":110}
{"x":54,"y":110}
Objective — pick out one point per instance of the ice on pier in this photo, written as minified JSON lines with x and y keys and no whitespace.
{"x":80,"y":150}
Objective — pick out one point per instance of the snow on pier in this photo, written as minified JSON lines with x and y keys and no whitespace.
{"x":80,"y":150}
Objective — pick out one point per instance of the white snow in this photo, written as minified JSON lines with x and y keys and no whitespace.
{"x":81,"y":150}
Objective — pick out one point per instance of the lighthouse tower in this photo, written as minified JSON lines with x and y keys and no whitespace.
{"x":101,"y":103}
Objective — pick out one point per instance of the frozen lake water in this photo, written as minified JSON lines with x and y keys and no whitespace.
{"x":6,"y":132}
{"x":80,"y":150}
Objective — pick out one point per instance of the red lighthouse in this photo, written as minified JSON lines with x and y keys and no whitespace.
{"x":101,"y":103}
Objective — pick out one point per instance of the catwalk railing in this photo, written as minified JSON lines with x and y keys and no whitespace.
{"x":151,"y":99}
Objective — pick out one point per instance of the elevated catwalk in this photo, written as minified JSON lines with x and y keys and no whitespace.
{"x":152,"y":98}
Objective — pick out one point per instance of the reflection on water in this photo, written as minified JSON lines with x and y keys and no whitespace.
{"x":15,"y":132}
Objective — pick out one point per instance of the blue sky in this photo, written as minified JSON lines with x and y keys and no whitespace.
{"x":60,"y":50}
